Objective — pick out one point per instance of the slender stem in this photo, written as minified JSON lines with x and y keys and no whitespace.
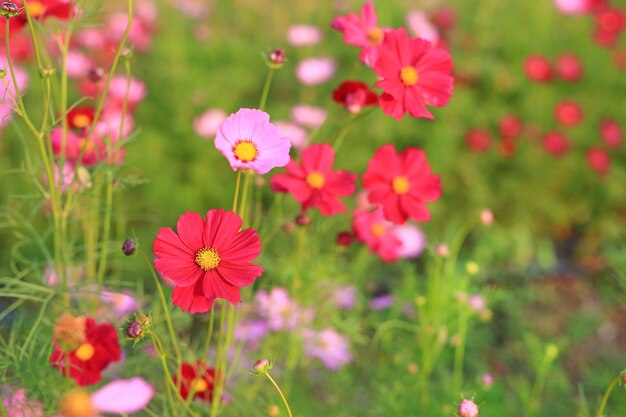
{"x":459,"y":353}
{"x":607,"y":394}
{"x":33,"y":34}
{"x":279,"y":393}
{"x":236,"y":196}
{"x":107,"y":227}
{"x":266,"y":89}
{"x":166,"y":372}
{"x":166,"y":311}
{"x":220,"y":358}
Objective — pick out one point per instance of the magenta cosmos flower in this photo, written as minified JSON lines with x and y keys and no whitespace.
{"x":413,"y":74}
{"x":207,"y":259}
{"x":249,"y":141}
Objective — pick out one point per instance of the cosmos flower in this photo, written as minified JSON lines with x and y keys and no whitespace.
{"x":199,"y":381}
{"x":313,"y":183}
{"x":611,"y":133}
{"x":413,"y":74}
{"x":207,"y":259}
{"x":354,"y":95}
{"x":249,"y":141}
{"x":296,"y":135}
{"x":362,"y":31}
{"x":599,"y":161}
{"x":315,"y":71}
{"x":402,"y":183}
{"x":332,"y":348}
{"x":278,"y":309}
{"x":207,"y":124}
{"x":568,"y":113}
{"x":555,"y":143}
{"x":371,"y":228}
{"x":308,"y":116}
{"x":538,"y":69}
{"x":16,"y":403}
{"x":304,"y":35}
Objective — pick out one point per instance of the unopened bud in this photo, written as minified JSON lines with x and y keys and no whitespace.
{"x":467,"y":408}
{"x":47,"y":72}
{"x":134,"y":330}
{"x":344,"y":238}
{"x":486,"y":217}
{"x":262,"y":366}
{"x":273,"y":411}
{"x":127,"y":53}
{"x":303,"y":219}
{"x":442,"y":250}
{"x":9,"y":9}
{"x":128,"y":247}
{"x":276,"y":58}
{"x":289,"y":227}
{"x":95,"y":74}
{"x":3,"y":73}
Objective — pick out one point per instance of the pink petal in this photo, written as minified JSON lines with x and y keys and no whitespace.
{"x":123,"y":396}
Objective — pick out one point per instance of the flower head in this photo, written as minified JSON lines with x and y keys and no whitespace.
{"x":314,"y":71}
{"x":362,"y":31}
{"x":207,"y":259}
{"x":413,"y":74}
{"x":555,"y":143}
{"x":249,"y":141}
{"x":467,"y":408}
{"x":354,"y":95}
{"x":196,"y":380}
{"x":402,"y":183}
{"x":304,"y":35}
{"x":371,"y":228}
{"x":329,"y":346}
{"x":313,"y":183}
{"x":16,"y":403}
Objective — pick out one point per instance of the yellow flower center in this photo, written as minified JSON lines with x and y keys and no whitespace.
{"x":207,"y":258}
{"x":400,"y":185}
{"x":81,"y":121}
{"x":378,"y":229}
{"x":200,"y":385}
{"x":36,"y":9}
{"x":77,"y":403}
{"x":85,"y":352}
{"x":245,"y":151}
{"x":315,"y":180}
{"x":375,"y":36}
{"x":409,"y":76}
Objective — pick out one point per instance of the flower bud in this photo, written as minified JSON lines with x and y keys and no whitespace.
{"x":442,"y":250}
{"x":134,"y":330}
{"x":303,"y":219}
{"x":127,"y":53}
{"x":344,"y":239}
{"x":128,"y":247}
{"x":262,"y":366}
{"x":95,"y":74}
{"x":47,"y":72}
{"x":276,"y":58}
{"x":3,"y":73}
{"x":467,"y":408}
{"x":486,"y":217}
{"x":273,"y":411}
{"x":9,"y":9}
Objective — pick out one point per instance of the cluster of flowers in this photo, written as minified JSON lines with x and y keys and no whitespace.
{"x":609,"y":19}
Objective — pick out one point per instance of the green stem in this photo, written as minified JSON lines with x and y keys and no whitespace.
{"x":107,"y":227}
{"x":266,"y":89}
{"x":279,"y":393}
{"x":607,"y":394}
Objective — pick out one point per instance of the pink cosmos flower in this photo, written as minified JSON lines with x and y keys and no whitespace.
{"x":538,"y":69}
{"x":250,"y":331}
{"x":467,"y":408}
{"x":555,"y":143}
{"x":412,"y":241}
{"x":487,"y":380}
{"x":313,"y":183}
{"x":122,"y":303}
{"x":278,"y":309}
{"x":571,"y":6}
{"x":421,"y":27}
{"x":7,"y":91}
{"x":413,"y":74}
{"x":94,"y":151}
{"x":332,"y":348}
{"x":599,"y":161}
{"x":362,"y":31}
{"x":345,"y":297}
{"x":207,"y":124}
{"x":371,"y":228}
{"x":109,"y":125}
{"x":314,"y":71}
{"x":78,"y":64}
{"x":308,"y":116}
{"x":249,"y":141}
{"x":382,"y":302}
{"x":304,"y":35}
{"x":611,"y":133}
{"x":117,"y":91}
{"x":193,"y":9}
{"x":294,"y":133}
{"x":16,"y":404}
{"x":569,"y":68}
{"x":568,"y":113}
{"x":139,"y":35}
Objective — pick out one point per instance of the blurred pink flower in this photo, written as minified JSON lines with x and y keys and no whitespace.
{"x":250,"y":331}
{"x":382,"y":302}
{"x":294,"y":133}
{"x":421,"y":27}
{"x":193,"y":9}
{"x":117,"y":92}
{"x":109,"y":125}
{"x":122,"y":303}
{"x":278,"y":309}
{"x":362,"y":31}
{"x":63,"y":178}
{"x":345,"y":297}
{"x":314,"y":71}
{"x":487,"y":380}
{"x":91,"y":38}
{"x":139,"y":36}
{"x":248,"y":140}
{"x":207,"y":123}
{"x":50,"y":276}
{"x":123,"y":396}
{"x":7,"y":91}
{"x":304,"y":35}
{"x":78,"y":64}
{"x":412,"y":241}
{"x":571,"y":6}
{"x":477,"y":303}
{"x":308,"y":116}
{"x":16,"y":404}
{"x":371,"y":228}
{"x":332,"y":348}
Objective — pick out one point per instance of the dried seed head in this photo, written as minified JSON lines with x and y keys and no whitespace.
{"x":69,"y":331}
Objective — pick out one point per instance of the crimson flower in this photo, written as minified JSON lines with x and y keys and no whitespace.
{"x":401,"y":183}
{"x":555,"y":143}
{"x":99,"y":348}
{"x":313,"y":183}
{"x":42,"y":9}
{"x":207,"y":259}
{"x":413,"y":74}
{"x":371,"y":228}
{"x":362,"y":31}
{"x":354,"y":95}
{"x":191,"y":380}
{"x":80,"y":117}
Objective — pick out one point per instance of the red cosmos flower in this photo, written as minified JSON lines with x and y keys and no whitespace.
{"x":478,"y":140}
{"x":510,"y":126}
{"x":611,"y":133}
{"x":86,"y":362}
{"x":43,"y":9}
{"x":568,"y":113}
{"x":538,"y":69}
{"x":401,"y":184}
{"x":354,"y":95}
{"x":191,"y":381}
{"x":610,"y":22}
{"x":313,"y":183}
{"x":80,"y":117}
{"x":569,"y":68}
{"x":599,"y":161}
{"x":207,"y":259}
{"x":371,"y":228}
{"x":555,"y":143}
{"x":362,"y":31}
{"x":413,"y":74}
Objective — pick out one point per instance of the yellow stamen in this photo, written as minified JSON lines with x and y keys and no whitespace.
{"x":81,"y":121}
{"x":375,"y":36}
{"x":36,"y":9}
{"x":409,"y":76}
{"x":200,"y":385}
{"x":315,"y":180}
{"x":245,"y":151}
{"x":400,"y":185}
{"x":207,"y":258}
{"x":85,"y":352}
{"x":378,"y":229}
{"x":77,"y":403}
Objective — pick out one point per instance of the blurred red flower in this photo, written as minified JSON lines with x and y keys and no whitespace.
{"x":569,"y":68}
{"x":599,"y":161}
{"x":555,"y":143}
{"x":354,"y":95}
{"x":568,"y":113}
{"x":538,"y":69}
{"x":478,"y":140}
{"x":195,"y":380}
{"x":611,"y":133}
